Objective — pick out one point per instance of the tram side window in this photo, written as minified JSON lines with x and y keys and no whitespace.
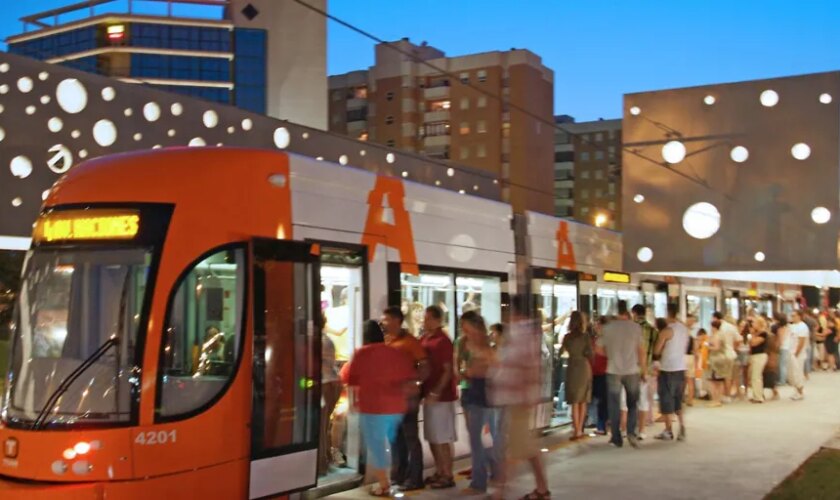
{"x":202,"y":335}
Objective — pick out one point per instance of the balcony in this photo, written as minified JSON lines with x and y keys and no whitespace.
{"x":432,"y":93}
{"x":356,"y":103}
{"x":436,"y":116}
{"x":436,"y":141}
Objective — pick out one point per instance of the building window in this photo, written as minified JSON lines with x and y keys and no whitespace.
{"x":465,"y":103}
{"x":435,"y":129}
{"x":506,"y":129}
{"x":465,"y":152}
{"x":360,"y":93}
{"x":584,"y":210}
{"x":363,"y":136}
{"x":599,"y":193}
{"x":611,"y":205}
{"x":250,"y":73}
{"x":599,"y":137}
{"x":389,"y":120}
{"x":464,"y":129}
{"x":389,"y":96}
{"x":611,"y":188}
{"x":390,"y":143}
{"x":481,"y":127}
{"x":440,"y":105}
{"x":611,"y":134}
{"x":584,"y":174}
{"x":482,"y":75}
{"x":584,"y":194}
{"x":599,"y":174}
{"x":482,"y":102}
{"x":599,"y":155}
{"x":336,"y":96}
{"x":584,"y":156}
{"x":480,"y":151}
{"x":465,"y":78}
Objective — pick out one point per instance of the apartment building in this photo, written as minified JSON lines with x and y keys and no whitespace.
{"x":491,"y":111}
{"x":587,"y":171}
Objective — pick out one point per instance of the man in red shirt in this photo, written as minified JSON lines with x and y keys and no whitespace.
{"x":382,"y":375}
{"x":439,"y":405}
{"x":407,"y":456}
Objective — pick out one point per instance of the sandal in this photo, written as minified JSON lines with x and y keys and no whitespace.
{"x":378,"y":491}
{"x":432,"y":479}
{"x":536,"y":495}
{"x":442,"y":483}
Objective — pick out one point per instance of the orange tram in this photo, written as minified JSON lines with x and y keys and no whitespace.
{"x":168,"y":330}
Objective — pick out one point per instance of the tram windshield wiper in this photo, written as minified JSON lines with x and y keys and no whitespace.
{"x":68,"y":381}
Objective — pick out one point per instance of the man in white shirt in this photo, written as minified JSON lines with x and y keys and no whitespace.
{"x":798,"y":338}
{"x":731,"y":341}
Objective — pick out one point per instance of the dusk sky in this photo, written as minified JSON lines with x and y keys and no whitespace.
{"x":599,"y":50}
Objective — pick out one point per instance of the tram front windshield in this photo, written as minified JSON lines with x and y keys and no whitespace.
{"x":71,"y":303}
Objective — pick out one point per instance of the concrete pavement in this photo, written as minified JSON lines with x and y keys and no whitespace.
{"x":740,"y":451}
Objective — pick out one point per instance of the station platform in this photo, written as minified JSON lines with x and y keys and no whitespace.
{"x":741,"y":450}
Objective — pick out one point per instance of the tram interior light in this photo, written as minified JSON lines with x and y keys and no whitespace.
{"x":82,"y":448}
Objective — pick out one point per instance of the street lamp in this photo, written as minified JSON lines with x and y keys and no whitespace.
{"x":600,"y":220}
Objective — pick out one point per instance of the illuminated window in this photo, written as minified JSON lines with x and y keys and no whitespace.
{"x":464,"y":129}
{"x":360,"y":93}
{"x":440,"y":105}
{"x":454,"y":293}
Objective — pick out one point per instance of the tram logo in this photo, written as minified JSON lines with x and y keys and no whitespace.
{"x":10,"y":448}
{"x":389,"y":224}
{"x":565,"y":249}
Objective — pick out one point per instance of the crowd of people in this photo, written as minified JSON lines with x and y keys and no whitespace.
{"x":618,"y":369}
{"x":495,"y":371}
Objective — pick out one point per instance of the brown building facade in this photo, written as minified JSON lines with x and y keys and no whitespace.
{"x":470,"y":113}
{"x":587,"y":172}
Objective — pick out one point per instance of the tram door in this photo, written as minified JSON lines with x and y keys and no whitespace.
{"x":342,"y":303}
{"x":287,"y":365}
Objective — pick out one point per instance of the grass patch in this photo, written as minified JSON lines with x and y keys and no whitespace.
{"x":817,"y":478}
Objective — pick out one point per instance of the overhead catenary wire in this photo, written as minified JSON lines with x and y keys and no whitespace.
{"x":551,"y":123}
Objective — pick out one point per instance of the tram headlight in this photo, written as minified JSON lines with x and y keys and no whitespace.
{"x":82,"y":448}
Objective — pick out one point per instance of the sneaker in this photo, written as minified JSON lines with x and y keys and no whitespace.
{"x":617,"y":444}
{"x":681,"y":435}
{"x":665,"y":436}
{"x":634,"y":442}
{"x":641,"y":436}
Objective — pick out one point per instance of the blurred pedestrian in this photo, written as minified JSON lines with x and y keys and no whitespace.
{"x":383,"y":376}
{"x":578,"y":373}
{"x":516,"y":388}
